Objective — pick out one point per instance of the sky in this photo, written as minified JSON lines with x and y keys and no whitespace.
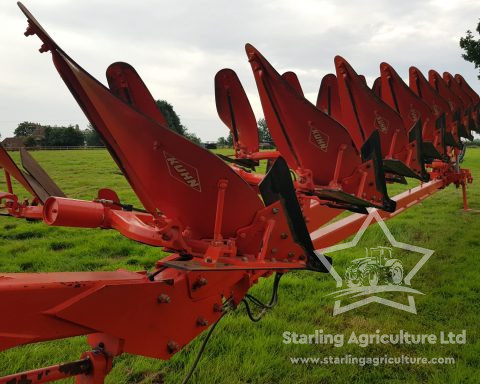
{"x":178,"y":46}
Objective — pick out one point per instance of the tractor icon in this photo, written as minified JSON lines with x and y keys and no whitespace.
{"x":377,"y":267}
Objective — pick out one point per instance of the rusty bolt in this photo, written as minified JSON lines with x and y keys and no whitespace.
{"x":172,"y":346}
{"x":29,"y":31}
{"x":44,"y":48}
{"x":283,"y":235}
{"x":163,"y":299}
{"x":199,"y":283}
{"x":275,"y":211}
{"x":202,"y":322}
{"x":166,"y":237}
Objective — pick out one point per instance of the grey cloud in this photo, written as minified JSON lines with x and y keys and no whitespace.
{"x":177,"y":47}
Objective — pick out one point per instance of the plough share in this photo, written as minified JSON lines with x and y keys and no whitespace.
{"x":224,"y":225}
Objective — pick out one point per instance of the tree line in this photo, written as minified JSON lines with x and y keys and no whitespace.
{"x":263,"y":136}
{"x":38,"y":135}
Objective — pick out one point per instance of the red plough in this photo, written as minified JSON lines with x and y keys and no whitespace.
{"x":235,"y":111}
{"x":443,"y":113}
{"x":461,"y":117}
{"x":221,"y":235}
{"x":34,"y":179}
{"x":317,"y":148}
{"x":393,"y":91}
{"x":475,"y":106}
{"x":364,"y":113}
{"x":328,"y":100}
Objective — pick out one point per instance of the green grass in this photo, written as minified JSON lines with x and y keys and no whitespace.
{"x":244,"y":352}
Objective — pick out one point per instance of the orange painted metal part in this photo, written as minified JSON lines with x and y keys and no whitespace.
{"x":328,"y":100}
{"x":52,"y":373}
{"x":442,"y":176}
{"x":292,"y":79}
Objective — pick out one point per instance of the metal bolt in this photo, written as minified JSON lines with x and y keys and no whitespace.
{"x":166,"y":237}
{"x":208,"y":259}
{"x":199,"y":283}
{"x":29,"y":31}
{"x":291,"y":254}
{"x":202,"y":322}
{"x":245,"y":259}
{"x":172,"y":346}
{"x":44,"y":48}
{"x":301,"y":257}
{"x":283,"y":235}
{"x":163,"y":299}
{"x":273,"y":250}
{"x":275,"y":211}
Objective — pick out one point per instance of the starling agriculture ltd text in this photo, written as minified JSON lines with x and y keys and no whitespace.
{"x":366,"y":339}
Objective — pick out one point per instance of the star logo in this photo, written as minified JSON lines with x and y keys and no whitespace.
{"x":376,"y":273}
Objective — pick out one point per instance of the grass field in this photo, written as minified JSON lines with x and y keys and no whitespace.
{"x":245,"y":352}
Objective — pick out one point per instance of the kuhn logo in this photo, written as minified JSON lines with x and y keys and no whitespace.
{"x":380,"y":123}
{"x":183,"y":172}
{"x":414,"y":115}
{"x":319,"y":139}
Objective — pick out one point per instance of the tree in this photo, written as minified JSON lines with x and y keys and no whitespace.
{"x":225,"y":141}
{"x":25,"y":129}
{"x":92,"y":138}
{"x":263,"y":132}
{"x":192,"y":137}
{"x":222,"y":142}
{"x":70,"y":136}
{"x":471,"y":48}
{"x":172,"y":118}
{"x":30,"y":142}
{"x":174,"y":123}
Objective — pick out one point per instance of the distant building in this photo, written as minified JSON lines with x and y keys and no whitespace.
{"x":34,"y":140}
{"x":14,"y":142}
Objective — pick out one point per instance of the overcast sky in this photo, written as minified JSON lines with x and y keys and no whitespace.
{"x":178,"y":46}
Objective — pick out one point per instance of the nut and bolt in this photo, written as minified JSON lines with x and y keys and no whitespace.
{"x":172,"y":346}
{"x":283,"y":235}
{"x":275,"y":211}
{"x":199,"y":283}
{"x":163,"y":299}
{"x":202,"y":322}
